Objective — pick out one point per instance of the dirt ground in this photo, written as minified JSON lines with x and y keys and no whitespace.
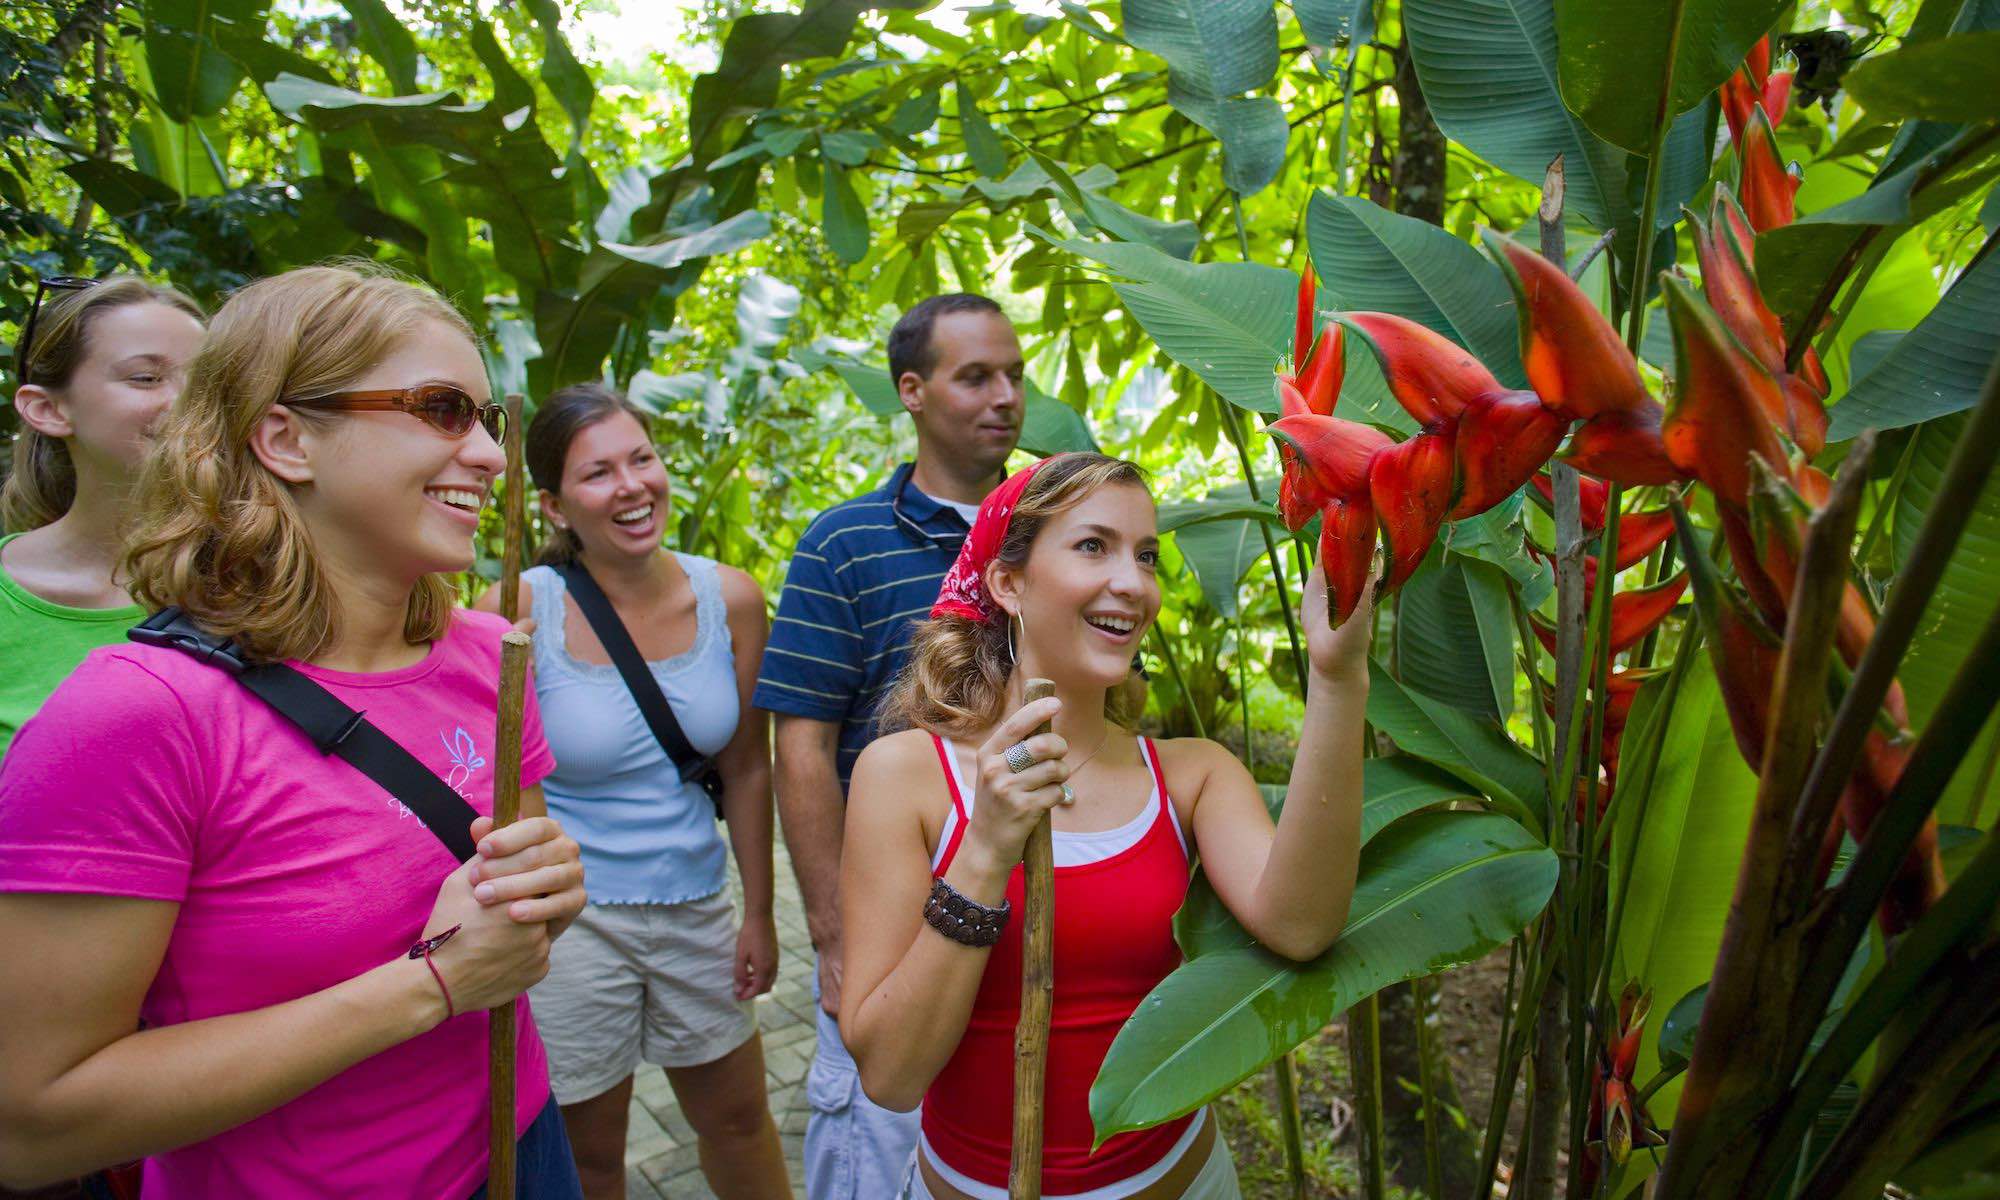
{"x":1471,"y":1002}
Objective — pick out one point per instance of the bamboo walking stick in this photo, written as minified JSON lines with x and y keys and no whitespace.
{"x":514,"y":650}
{"x":514,"y":511}
{"x":1038,"y":983}
{"x":514,"y":653}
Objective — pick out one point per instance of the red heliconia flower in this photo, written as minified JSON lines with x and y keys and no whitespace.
{"x":1634,"y":613}
{"x":1767,"y":186}
{"x":1317,"y":364}
{"x":1720,"y":414}
{"x":1327,"y":462}
{"x":1724,"y":245}
{"x":1580,"y":369}
{"x":1754,"y":85}
{"x":1477,"y":444}
{"x":1618,"y":1120}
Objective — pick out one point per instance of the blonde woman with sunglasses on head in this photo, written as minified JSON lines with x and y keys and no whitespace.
{"x":309,"y":962}
{"x":97,"y":365}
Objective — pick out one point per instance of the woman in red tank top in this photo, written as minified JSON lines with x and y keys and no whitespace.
{"x":1057,"y":580}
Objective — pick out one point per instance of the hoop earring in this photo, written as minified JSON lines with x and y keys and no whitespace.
{"x":1013,"y":660}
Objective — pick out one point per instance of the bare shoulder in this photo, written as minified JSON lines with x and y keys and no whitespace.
{"x":898,"y":783}
{"x":895,"y":756}
{"x":1190,"y":764}
{"x":741,"y":592}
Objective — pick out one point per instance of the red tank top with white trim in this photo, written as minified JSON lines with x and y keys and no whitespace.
{"x":1114,"y":941}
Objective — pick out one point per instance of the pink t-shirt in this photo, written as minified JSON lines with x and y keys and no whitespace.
{"x":150,"y":774}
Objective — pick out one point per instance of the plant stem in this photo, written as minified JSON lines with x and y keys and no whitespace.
{"x":1180,"y":681}
{"x":1288,"y":1125}
{"x":1421,"y":988}
{"x":1642,"y":250}
{"x":1364,"y":1052}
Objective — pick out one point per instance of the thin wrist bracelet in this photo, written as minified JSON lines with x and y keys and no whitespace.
{"x":422,"y":949}
{"x":965,"y":921}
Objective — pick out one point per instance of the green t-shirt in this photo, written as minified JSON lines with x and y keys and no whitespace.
{"x":42,"y":642}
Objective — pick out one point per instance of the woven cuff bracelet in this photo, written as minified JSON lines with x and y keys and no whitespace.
{"x":964,"y":921}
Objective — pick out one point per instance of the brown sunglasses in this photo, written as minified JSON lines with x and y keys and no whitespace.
{"x":445,"y":408}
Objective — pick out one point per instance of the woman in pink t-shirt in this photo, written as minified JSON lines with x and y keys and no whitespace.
{"x":178,"y":859}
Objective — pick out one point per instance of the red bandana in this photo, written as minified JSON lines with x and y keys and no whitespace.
{"x":963,"y":593}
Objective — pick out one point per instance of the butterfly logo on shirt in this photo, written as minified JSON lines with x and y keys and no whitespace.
{"x":465,"y":759}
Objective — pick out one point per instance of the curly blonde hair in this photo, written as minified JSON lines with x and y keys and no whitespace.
{"x":217,"y":533}
{"x":42,"y":484}
{"x":955,"y":682}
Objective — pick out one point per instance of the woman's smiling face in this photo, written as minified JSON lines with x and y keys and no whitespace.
{"x":614,"y":489}
{"x":1090,"y":588}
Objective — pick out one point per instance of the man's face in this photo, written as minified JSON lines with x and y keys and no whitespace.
{"x":969,"y":408}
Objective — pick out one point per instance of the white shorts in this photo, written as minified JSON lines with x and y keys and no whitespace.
{"x":633,"y":983}
{"x":1215,"y":1181}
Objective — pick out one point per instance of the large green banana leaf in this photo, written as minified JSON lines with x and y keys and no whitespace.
{"x":1435,"y":890}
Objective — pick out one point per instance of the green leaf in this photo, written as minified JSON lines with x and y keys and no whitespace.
{"x":1215,"y":51}
{"x":1327,"y":22}
{"x":1048,"y":426}
{"x":1434,"y":890}
{"x":1370,"y":258}
{"x":1452,"y":613}
{"x":617,"y":284}
{"x":849,"y":147}
{"x":841,"y":214}
{"x":1616,"y":57}
{"x":1690,"y":824}
{"x":510,"y":91}
{"x":1087,"y":206}
{"x":1231,"y":324}
{"x":1478,"y":752}
{"x":982,"y":145}
{"x":1794,"y":261}
{"x":916,"y":114}
{"x":1956,"y":612}
{"x":1947,"y":79}
{"x":1224,"y":507}
{"x":1214,"y":47}
{"x":192,"y":77}
{"x":1221,"y":553}
{"x":386,"y":41}
{"x":562,"y":74}
{"x":1490,"y":71}
{"x":1676,"y":1041}
{"x":1936,"y":368}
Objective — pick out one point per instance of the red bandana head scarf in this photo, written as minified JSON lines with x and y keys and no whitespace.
{"x":963,"y":593}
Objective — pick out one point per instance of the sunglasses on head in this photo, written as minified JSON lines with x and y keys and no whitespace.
{"x":43,"y":286}
{"x":448,"y":409}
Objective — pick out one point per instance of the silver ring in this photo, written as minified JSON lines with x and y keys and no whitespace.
{"x":1019,"y":758}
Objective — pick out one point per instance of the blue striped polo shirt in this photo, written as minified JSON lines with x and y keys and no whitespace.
{"x":862,"y":574}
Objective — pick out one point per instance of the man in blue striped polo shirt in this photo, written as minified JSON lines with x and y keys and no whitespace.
{"x":862,"y":573}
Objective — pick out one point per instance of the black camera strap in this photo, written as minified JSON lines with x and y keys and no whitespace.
{"x":333,"y":727}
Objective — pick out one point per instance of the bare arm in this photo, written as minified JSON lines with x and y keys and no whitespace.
{"x":745,"y":764}
{"x":910,"y":989}
{"x":1291,"y":886}
{"x":79,"y":1088}
{"x":813,"y":814}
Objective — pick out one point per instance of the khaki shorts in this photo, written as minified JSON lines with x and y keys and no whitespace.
{"x":633,"y":983}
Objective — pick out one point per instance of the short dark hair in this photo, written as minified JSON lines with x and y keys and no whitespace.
{"x":910,"y":346}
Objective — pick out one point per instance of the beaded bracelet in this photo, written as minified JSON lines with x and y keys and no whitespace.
{"x":422,"y":949}
{"x":964,"y":921}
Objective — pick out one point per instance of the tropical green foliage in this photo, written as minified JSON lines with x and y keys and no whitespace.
{"x":1141,"y":184}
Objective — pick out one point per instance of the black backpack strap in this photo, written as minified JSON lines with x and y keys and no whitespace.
{"x":333,"y":727}
{"x":617,"y":641}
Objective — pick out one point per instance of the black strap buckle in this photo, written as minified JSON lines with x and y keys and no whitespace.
{"x":170,"y":627}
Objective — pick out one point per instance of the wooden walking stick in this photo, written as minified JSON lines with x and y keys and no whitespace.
{"x":514,"y":512}
{"x":1038,"y":985}
{"x":515,"y":649}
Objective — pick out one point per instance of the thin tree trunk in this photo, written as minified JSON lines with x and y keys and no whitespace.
{"x":1418,"y":173}
{"x":1541,"y":1131}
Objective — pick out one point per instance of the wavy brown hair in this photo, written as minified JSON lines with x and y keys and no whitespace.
{"x":217,"y":533}
{"x":955,"y":682}
{"x":42,"y":484}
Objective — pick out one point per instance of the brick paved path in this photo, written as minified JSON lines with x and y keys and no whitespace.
{"x":659,"y":1148}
